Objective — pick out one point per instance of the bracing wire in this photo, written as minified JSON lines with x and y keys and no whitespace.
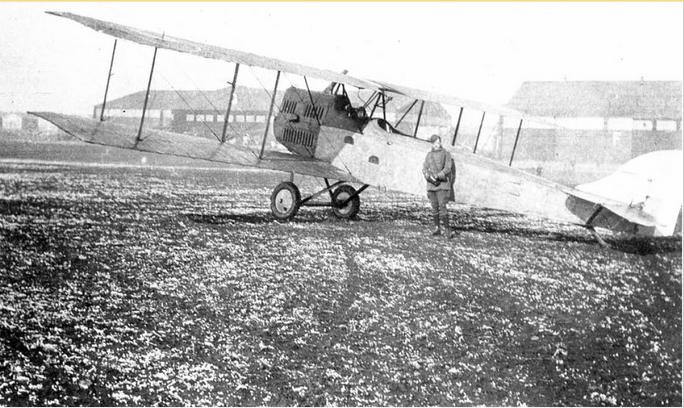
{"x":278,"y":106}
{"x":180,"y":95}
{"x":216,"y":109}
{"x":301,"y":99}
{"x":204,"y":95}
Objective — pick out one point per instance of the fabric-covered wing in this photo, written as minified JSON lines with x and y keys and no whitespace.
{"x":210,"y":51}
{"x":219,"y":53}
{"x":456,"y":101}
{"x":156,"y":141}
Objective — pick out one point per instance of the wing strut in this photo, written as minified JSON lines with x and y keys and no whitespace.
{"x":406,"y":113}
{"x":147,"y":97}
{"x":270,"y":114}
{"x":381,"y":102}
{"x":384,"y":106}
{"x":516,"y":143}
{"x":458,"y":125}
{"x":477,"y":140}
{"x":230,"y":102}
{"x":313,"y":105}
{"x":111,"y":64}
{"x":420,"y":114}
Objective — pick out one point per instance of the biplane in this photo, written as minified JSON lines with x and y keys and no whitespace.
{"x":326,"y":136}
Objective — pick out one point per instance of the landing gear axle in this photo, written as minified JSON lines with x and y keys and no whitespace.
{"x":286,"y":200}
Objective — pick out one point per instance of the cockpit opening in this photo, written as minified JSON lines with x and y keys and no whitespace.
{"x":387,"y":127}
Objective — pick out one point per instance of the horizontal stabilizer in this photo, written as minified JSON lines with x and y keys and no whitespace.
{"x":108,"y":133}
{"x":646,"y":191}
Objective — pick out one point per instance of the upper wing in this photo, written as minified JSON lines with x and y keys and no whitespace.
{"x":156,"y":141}
{"x":219,"y":53}
{"x":456,"y":101}
{"x":212,"y":52}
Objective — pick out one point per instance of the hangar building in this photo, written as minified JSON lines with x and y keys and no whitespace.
{"x":599,"y":121}
{"x":201,"y":113}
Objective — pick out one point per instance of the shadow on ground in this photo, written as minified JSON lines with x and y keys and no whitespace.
{"x":482,"y":221}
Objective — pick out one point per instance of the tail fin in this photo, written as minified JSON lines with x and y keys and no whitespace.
{"x":651,"y":188}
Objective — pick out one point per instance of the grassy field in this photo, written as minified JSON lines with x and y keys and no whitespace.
{"x":126,"y":281}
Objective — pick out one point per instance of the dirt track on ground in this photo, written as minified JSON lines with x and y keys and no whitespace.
{"x":144,"y":286}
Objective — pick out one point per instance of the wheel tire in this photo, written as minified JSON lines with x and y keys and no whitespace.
{"x":285,"y":201}
{"x":350,"y":210}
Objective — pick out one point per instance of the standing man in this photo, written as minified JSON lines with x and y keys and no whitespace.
{"x":437,"y":170}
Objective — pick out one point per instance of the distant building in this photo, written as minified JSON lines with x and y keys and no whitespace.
{"x":18,"y":122}
{"x":11,"y":121}
{"x":600,"y":121}
{"x":200,"y":113}
{"x":434,"y":119}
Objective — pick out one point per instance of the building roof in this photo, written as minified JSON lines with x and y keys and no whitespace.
{"x":246,"y":99}
{"x":631,"y":99}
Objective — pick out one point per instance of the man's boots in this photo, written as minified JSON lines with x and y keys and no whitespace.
{"x":435,"y":220}
{"x":447,"y":228}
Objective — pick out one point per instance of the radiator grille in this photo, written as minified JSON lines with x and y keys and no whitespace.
{"x":289,"y":106}
{"x":299,"y":137}
{"x":313,"y":111}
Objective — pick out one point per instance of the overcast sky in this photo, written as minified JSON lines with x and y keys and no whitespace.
{"x":480,"y":51}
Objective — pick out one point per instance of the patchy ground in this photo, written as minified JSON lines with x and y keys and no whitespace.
{"x":175,"y":286}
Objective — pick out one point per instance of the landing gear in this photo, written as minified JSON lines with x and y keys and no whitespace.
{"x":285,"y":201}
{"x":344,"y":201}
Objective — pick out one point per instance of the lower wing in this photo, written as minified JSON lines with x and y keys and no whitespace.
{"x":176,"y":144}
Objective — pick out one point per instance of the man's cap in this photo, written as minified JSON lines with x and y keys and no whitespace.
{"x":434,"y":137}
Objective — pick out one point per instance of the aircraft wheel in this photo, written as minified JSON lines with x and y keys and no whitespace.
{"x":285,"y":201}
{"x":350,"y":210}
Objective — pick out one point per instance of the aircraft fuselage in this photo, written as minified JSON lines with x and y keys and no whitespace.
{"x":332,"y":130}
